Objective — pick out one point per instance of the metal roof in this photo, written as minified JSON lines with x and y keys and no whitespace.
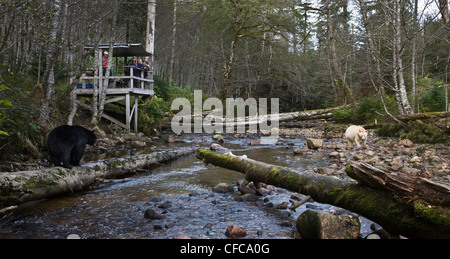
{"x":123,"y":49}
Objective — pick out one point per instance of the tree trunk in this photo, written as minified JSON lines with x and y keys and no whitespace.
{"x":49,"y":75}
{"x":443,"y":8}
{"x":346,"y":91}
{"x":411,"y":219}
{"x":399,"y":50}
{"x":97,"y":74}
{"x":226,"y":85}
{"x":105,"y":84}
{"x":20,"y":187}
{"x":174,"y":37}
{"x":150,"y":32}
{"x":378,"y":84}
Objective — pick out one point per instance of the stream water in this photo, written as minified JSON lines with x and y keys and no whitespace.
{"x":181,"y":190}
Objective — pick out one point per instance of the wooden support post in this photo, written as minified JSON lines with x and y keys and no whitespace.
{"x":127,"y":111}
{"x":100,"y":73}
{"x":131,"y":80}
{"x":136,"y":114}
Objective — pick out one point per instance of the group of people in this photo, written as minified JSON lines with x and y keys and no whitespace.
{"x":135,"y":65}
{"x":138,"y":66}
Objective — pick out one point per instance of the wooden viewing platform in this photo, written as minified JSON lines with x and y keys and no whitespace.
{"x":120,"y":86}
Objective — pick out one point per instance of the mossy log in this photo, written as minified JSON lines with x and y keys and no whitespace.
{"x":414,"y":220}
{"x":423,"y":116}
{"x":20,"y":187}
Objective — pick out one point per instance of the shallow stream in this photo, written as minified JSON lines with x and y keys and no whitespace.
{"x":181,"y":190}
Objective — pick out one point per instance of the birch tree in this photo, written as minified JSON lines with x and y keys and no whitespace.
{"x":399,"y":51}
{"x":49,"y":75}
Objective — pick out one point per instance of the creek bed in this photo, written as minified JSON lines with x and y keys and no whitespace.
{"x":181,"y":190}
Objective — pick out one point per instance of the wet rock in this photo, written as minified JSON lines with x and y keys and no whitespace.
{"x":246,"y":189}
{"x":215,"y":146}
{"x":263,"y":191}
{"x":256,"y":143}
{"x":249,"y":197}
{"x":138,"y":144}
{"x":223,"y":188}
{"x":302,"y":150}
{"x":285,"y":223}
{"x":313,"y":224}
{"x":157,"y":227}
{"x":314,"y":143}
{"x":152,"y":214}
{"x":235,"y":231}
{"x":165,"y":205}
{"x":297,"y":196}
{"x":218,"y":138}
{"x":193,"y":193}
{"x":209,"y":225}
{"x":169,"y":225}
{"x":269,"y":187}
{"x":281,"y":206}
{"x":173,"y":139}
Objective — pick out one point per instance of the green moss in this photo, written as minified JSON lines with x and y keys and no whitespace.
{"x":432,"y":213}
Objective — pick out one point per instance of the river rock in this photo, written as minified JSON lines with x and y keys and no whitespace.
{"x":314,"y":143}
{"x":281,"y":206}
{"x":215,"y":146}
{"x":218,"y":138}
{"x":245,"y":189}
{"x":235,"y":231}
{"x":152,"y":214}
{"x":302,"y":150}
{"x":223,"y":188}
{"x":313,"y":224}
{"x":138,"y":144}
{"x":173,"y":139}
{"x":406,"y":143}
{"x":250,"y":197}
{"x":334,"y":154}
{"x":256,"y":143}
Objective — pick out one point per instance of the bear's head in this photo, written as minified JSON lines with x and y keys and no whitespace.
{"x":91,"y":138}
{"x":362,"y":134}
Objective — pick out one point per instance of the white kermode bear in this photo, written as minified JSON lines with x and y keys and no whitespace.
{"x":355,"y":134}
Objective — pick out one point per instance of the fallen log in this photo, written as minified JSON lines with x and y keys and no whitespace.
{"x":20,"y":187}
{"x":414,"y":220}
{"x":423,"y":116}
{"x":402,"y":186}
{"x":217,"y":116}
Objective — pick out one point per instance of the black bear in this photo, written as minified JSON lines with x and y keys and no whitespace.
{"x":66,"y":144}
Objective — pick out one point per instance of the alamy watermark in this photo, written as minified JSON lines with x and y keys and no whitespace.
{"x":233,"y":119}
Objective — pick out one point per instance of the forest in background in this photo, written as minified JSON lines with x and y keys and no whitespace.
{"x":386,"y":57}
